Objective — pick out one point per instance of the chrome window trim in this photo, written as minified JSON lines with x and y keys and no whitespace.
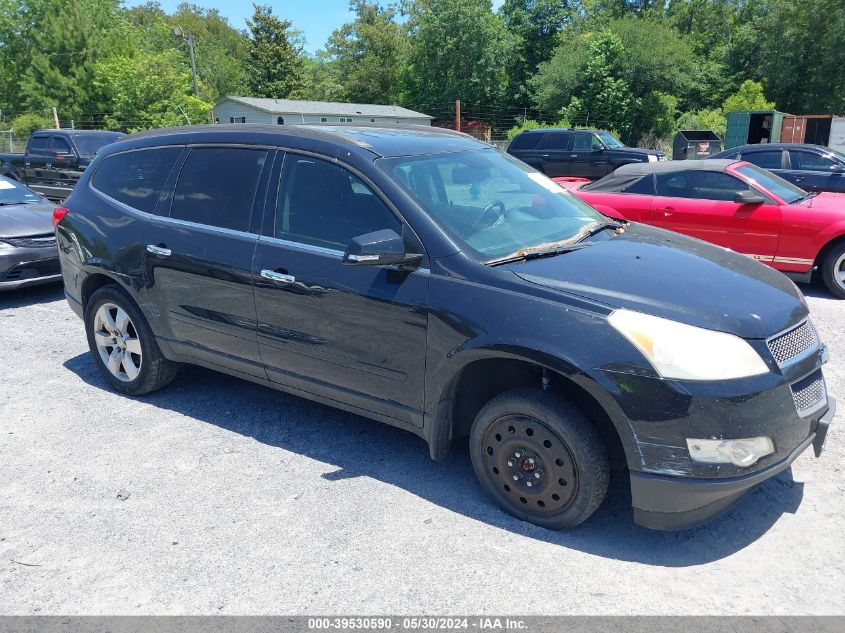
{"x":331,"y":252}
{"x":208,"y":227}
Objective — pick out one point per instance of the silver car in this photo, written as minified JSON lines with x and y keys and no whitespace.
{"x":28,"y":254}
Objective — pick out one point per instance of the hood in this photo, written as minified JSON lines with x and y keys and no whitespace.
{"x":826,"y":201}
{"x":676,"y":277}
{"x":21,"y":220}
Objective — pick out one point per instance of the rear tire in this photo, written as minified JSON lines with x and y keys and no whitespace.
{"x":540,"y":458}
{"x":123,"y":345}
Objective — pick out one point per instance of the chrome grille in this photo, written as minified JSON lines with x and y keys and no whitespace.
{"x":809,"y":393}
{"x":31,"y":241}
{"x":784,"y":347}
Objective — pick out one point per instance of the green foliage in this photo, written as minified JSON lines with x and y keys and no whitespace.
{"x":275,"y":60}
{"x":713,"y":119}
{"x":457,"y":49}
{"x":535,"y":25}
{"x":530,"y":124}
{"x":366,"y":54}
{"x":25,"y":124}
{"x":748,"y":97}
{"x":322,"y":81}
{"x":803,"y":54}
{"x":69,"y":41}
{"x":149,"y":91}
{"x":603,"y":99}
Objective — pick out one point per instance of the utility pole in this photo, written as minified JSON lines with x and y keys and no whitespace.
{"x":458,"y":115}
{"x":189,"y":40}
{"x":56,"y":117}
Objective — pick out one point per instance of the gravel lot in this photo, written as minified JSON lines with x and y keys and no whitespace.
{"x":220,"y":496}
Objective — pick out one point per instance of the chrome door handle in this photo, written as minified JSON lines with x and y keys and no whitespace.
{"x":158,"y":250}
{"x":272,"y":275}
{"x":544,"y":155}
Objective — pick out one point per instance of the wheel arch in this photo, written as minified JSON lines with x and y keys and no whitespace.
{"x":830,"y":243}
{"x":480,"y":379}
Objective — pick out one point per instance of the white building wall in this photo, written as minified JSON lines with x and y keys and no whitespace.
{"x":227,"y":110}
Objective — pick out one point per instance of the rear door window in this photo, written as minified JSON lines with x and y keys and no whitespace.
{"x":326,"y":205}
{"x":136,"y":178}
{"x":217,"y":186}
{"x":526,"y":141}
{"x":771,"y":159}
{"x":703,"y":185}
{"x":558,"y":140}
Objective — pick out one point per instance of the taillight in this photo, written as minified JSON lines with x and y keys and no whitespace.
{"x":59,"y":214}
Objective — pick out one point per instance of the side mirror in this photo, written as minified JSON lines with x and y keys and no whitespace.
{"x":749,"y":197}
{"x":597,"y":147}
{"x":838,"y":168}
{"x":379,"y":248}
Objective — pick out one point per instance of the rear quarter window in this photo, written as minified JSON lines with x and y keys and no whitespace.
{"x":136,"y":178}
{"x":644,"y":186}
{"x":526,"y":141}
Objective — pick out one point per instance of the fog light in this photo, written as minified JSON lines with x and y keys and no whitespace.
{"x":742,"y":452}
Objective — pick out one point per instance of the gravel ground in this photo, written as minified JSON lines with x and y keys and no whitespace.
{"x":220,"y":496}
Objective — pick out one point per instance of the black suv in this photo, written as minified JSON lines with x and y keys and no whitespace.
{"x":811,"y":167}
{"x":579,"y":153}
{"x":424,"y":279}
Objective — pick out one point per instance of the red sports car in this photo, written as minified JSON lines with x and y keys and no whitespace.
{"x":734,"y":204}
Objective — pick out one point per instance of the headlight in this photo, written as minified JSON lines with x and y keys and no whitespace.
{"x":686,"y":352}
{"x":652,"y":158}
{"x":744,"y":452}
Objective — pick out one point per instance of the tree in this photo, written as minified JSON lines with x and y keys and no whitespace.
{"x":367,"y":53}
{"x":322,"y":80}
{"x":803,"y":54}
{"x":535,"y":25}
{"x":748,"y":97}
{"x":69,"y":41}
{"x":275,"y":64}
{"x":150,"y":90}
{"x":457,"y":49}
{"x":602,"y":99}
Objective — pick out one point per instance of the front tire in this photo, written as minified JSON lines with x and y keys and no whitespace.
{"x":123,"y":345}
{"x":833,"y":271}
{"x":540,"y":458}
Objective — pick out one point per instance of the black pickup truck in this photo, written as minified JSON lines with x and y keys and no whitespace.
{"x":55,"y":159}
{"x":579,"y":153}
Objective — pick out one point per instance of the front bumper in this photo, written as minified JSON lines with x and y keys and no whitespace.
{"x":22,"y":267}
{"x":675,"y":503}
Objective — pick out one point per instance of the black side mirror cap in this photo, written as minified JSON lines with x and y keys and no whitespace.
{"x":379,"y":248}
{"x":749,"y":197}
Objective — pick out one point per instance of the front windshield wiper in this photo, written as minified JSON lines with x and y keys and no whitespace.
{"x":550,"y":249}
{"x":809,"y":196}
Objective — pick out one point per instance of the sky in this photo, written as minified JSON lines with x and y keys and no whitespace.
{"x":315,"y":18}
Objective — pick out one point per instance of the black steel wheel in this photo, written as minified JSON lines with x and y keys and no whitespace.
{"x":539,"y":458}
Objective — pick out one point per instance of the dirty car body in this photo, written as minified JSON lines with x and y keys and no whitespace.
{"x":424,"y":343}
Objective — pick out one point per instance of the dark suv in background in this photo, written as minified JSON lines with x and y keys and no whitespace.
{"x":811,"y":167}
{"x":424,"y":279}
{"x":578,"y":153}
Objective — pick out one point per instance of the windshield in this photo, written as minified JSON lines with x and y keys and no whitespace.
{"x":494,"y":205}
{"x":90,"y":144}
{"x":784,"y":190}
{"x":611,"y":141}
{"x":15,"y":193}
{"x":836,"y":153}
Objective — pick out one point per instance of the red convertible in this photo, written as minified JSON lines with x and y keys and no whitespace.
{"x":734,"y":204}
